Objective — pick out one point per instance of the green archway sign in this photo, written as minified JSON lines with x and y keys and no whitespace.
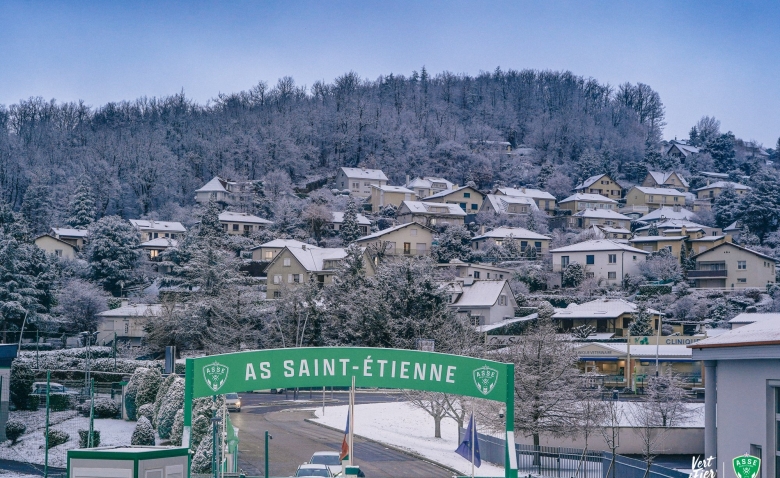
{"x":371,"y":367}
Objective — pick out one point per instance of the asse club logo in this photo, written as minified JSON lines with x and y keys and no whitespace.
{"x":746,"y":466}
{"x":215,"y":374}
{"x":485,"y":378}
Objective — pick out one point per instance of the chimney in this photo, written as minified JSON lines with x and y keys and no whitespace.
{"x":684,"y":231}
{"x":363,"y":167}
{"x":303,"y":247}
{"x":125,"y":302}
{"x":523,"y":189}
{"x":482,"y":230}
{"x":408,"y":180}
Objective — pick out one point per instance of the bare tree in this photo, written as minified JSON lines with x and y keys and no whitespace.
{"x":433,"y":403}
{"x":610,"y":431}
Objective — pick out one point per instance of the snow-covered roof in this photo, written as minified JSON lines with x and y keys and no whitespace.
{"x":501,"y":203}
{"x":160,"y":242}
{"x":481,"y":293}
{"x":710,"y":174}
{"x":68,"y":232}
{"x":665,"y":212}
{"x":133,"y":310}
{"x":598,"y":245}
{"x":393,"y":189}
{"x":762,"y":332}
{"x":749,"y":318}
{"x":674,"y":224}
{"x":723,"y":185}
{"x":589,"y":198}
{"x":505,"y":322}
{"x":731,"y":244}
{"x":280,"y":243}
{"x":427,"y":182}
{"x":229,"y":216}
{"x":733,"y":227}
{"x":706,"y":238}
{"x":613,"y":230}
{"x":599,"y":309}
{"x":505,"y":232}
{"x":433,"y":208}
{"x":313,"y":259}
{"x":216,"y":184}
{"x":363,"y":173}
{"x":686,"y":149}
{"x":659,"y":191}
{"x":383,"y":232}
{"x":657,"y":238}
{"x":661,"y":177}
{"x":589,"y":181}
{"x":602,"y":214}
{"x":526,"y":192}
{"x":158,"y":226}
{"x":450,"y":191}
{"x":338,"y":218}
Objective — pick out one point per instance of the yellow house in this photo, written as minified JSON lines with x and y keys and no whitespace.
{"x":654,"y":198}
{"x":673,"y":244}
{"x":523,"y":237}
{"x":581,"y":201}
{"x":601,"y":184}
{"x":411,"y":239}
{"x":705,"y":243}
{"x":605,"y":315}
{"x":381,"y":196}
{"x":358,"y":181}
{"x":55,"y":246}
{"x":468,"y":198}
{"x":430,"y":213}
{"x":267,"y":251}
{"x":657,"y":179}
{"x":711,"y":191}
{"x":238,"y":223}
{"x":74,"y":237}
{"x":729,"y":266}
{"x":544,"y":200}
{"x":599,"y":217}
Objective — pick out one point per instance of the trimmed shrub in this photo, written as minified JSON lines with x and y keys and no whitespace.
{"x":201,"y":428}
{"x":161,"y":392}
{"x":146,"y":411}
{"x":201,"y":462}
{"x":14,"y":429}
{"x":84,"y":435}
{"x":131,"y":390}
{"x":143,"y":434}
{"x":22,"y":378}
{"x":173,"y":401}
{"x":57,"y":437}
{"x":148,"y":386}
{"x":106,"y":408}
{"x":59,"y":402}
{"x":33,"y":402}
{"x":177,"y":430}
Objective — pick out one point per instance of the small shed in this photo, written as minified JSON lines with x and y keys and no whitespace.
{"x":129,"y":462}
{"x":7,"y":356}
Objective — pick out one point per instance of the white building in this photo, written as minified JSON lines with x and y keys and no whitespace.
{"x":358,"y":181}
{"x":430,"y":213}
{"x":601,"y":217}
{"x":601,"y":258}
{"x":544,"y":200}
{"x":428,"y":186}
{"x":238,"y":223}
{"x":267,"y":251}
{"x":523,"y":237}
{"x":151,"y":229}
{"x":127,"y":322}
{"x":508,"y":205}
{"x":483,"y":302}
{"x":364,"y":224}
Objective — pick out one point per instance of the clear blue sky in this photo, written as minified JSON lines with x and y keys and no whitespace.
{"x":718,"y":58}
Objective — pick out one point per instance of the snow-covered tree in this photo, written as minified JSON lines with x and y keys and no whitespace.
{"x":113,"y":253}
{"x":210,"y":227}
{"x":641,"y":325}
{"x":317,"y":216}
{"x":201,"y":461}
{"x":38,"y":207}
{"x":583,"y":331}
{"x":760,"y":207}
{"x":653,"y":231}
{"x":573,"y":275}
{"x":727,"y":206}
{"x":454,"y":242}
{"x":173,"y":402}
{"x":432,"y":403}
{"x":661,"y":265}
{"x":78,"y":303}
{"x":13,"y":224}
{"x":27,"y":281}
{"x":350,"y":229}
{"x":81,"y":210}
{"x":143,"y":435}
{"x":177,"y":429}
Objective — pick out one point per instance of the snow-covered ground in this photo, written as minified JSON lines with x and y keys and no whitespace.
{"x":29,"y":448}
{"x":408,"y":428}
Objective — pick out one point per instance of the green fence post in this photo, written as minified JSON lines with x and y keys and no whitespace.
{"x":509,"y":440}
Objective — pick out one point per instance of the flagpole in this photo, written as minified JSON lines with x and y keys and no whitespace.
{"x":352,"y":423}
{"x":473,"y":432}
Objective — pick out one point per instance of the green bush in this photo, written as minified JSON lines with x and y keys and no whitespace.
{"x":59,"y":402}
{"x":33,"y":402}
{"x":14,"y":429}
{"x":22,"y":378}
{"x":649,"y":290}
{"x":106,"y":408}
{"x":57,"y":437}
{"x":84,"y":436}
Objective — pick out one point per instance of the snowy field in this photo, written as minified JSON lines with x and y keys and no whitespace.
{"x":411,"y":429}
{"x":29,"y":448}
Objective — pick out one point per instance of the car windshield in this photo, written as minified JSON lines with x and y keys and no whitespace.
{"x":231,"y":396}
{"x":312,"y":472}
{"x":326,"y":460}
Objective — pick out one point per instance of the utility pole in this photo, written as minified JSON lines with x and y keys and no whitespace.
{"x":267,"y":437}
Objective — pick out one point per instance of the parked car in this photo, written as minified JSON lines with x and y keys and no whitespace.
{"x":233,"y":402}
{"x":39,"y":388}
{"x":331,"y":459}
{"x":308,"y":469}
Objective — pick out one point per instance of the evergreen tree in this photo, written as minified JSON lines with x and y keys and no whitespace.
{"x":727,"y":207}
{"x":453,"y":243}
{"x":760,"y":208}
{"x":13,"y":224}
{"x":143,"y":435}
{"x":350,"y":230}
{"x":27,"y":279}
{"x":653,"y":231}
{"x":37,"y":207}
{"x":82,"y":207}
{"x":641,"y":325}
{"x":113,"y":253}
{"x":545,"y":172}
{"x":210,"y":227}
{"x":573,"y":275}
{"x":721,"y":148}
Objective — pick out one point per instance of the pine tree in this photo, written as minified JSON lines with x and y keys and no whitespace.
{"x":210,"y":227}
{"x":760,"y":208}
{"x":173,"y":402}
{"x":727,"y":207}
{"x":653,"y":231}
{"x":113,"y":253}
{"x":721,"y":148}
{"x":350,"y":229}
{"x":37,"y":207}
{"x":201,"y":462}
{"x":573,"y":275}
{"x":13,"y":224}
{"x":453,"y":243}
{"x":545,"y":172}
{"x":82,"y":206}
{"x":177,"y":430}
{"x":641,"y":325}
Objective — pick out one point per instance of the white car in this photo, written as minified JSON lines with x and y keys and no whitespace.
{"x":330,"y":459}
{"x":233,"y":402}
{"x":308,"y":469}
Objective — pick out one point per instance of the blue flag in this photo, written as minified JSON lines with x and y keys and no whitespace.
{"x":464,"y":449}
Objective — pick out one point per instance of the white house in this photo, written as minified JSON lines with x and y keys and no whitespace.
{"x":428,"y":186}
{"x":601,"y":258}
{"x":508,"y":205}
{"x":217,"y":189}
{"x":127,"y":322}
{"x":267,"y":251}
{"x":358,"y":181}
{"x":544,"y":200}
{"x":524,"y":237}
{"x":364,"y":224}
{"x":483,"y":302}
{"x":430,"y":213}
{"x":238,"y":223}
{"x":151,"y":229}
{"x":55,"y":246}
{"x":602,"y":217}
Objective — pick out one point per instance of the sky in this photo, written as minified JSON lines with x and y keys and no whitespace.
{"x":716,"y":58}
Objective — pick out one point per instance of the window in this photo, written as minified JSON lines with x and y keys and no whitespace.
{"x":58,"y":252}
{"x":413,"y":232}
{"x":235,"y":227}
{"x":564,"y":261}
{"x":268,"y":255}
{"x":355,"y":185}
{"x":476,"y":274}
{"x":247,"y":228}
{"x":612,"y":275}
{"x":742,"y":265}
{"x":590,"y":259}
{"x":488,"y":275}
{"x":589,"y":275}
{"x":277,"y":294}
{"x":474,"y":207}
{"x":407,"y":247}
{"x":127,"y":328}
{"x":297,"y":278}
{"x":224,"y":227}
{"x":463,"y":205}
{"x":277,"y":279}
{"x":613,"y":258}
{"x":286,"y":262}
{"x":742,"y":280}
{"x":502,"y":300}
{"x":466,"y":195}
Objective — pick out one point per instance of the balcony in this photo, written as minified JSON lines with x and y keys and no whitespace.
{"x":699,"y":274}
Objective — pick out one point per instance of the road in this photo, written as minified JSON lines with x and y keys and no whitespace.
{"x":294,"y":440}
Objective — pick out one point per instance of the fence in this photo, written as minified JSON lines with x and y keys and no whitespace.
{"x":558,"y":462}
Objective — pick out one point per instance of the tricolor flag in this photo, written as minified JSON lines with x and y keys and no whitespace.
{"x":464,"y":449}
{"x":345,"y":444}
